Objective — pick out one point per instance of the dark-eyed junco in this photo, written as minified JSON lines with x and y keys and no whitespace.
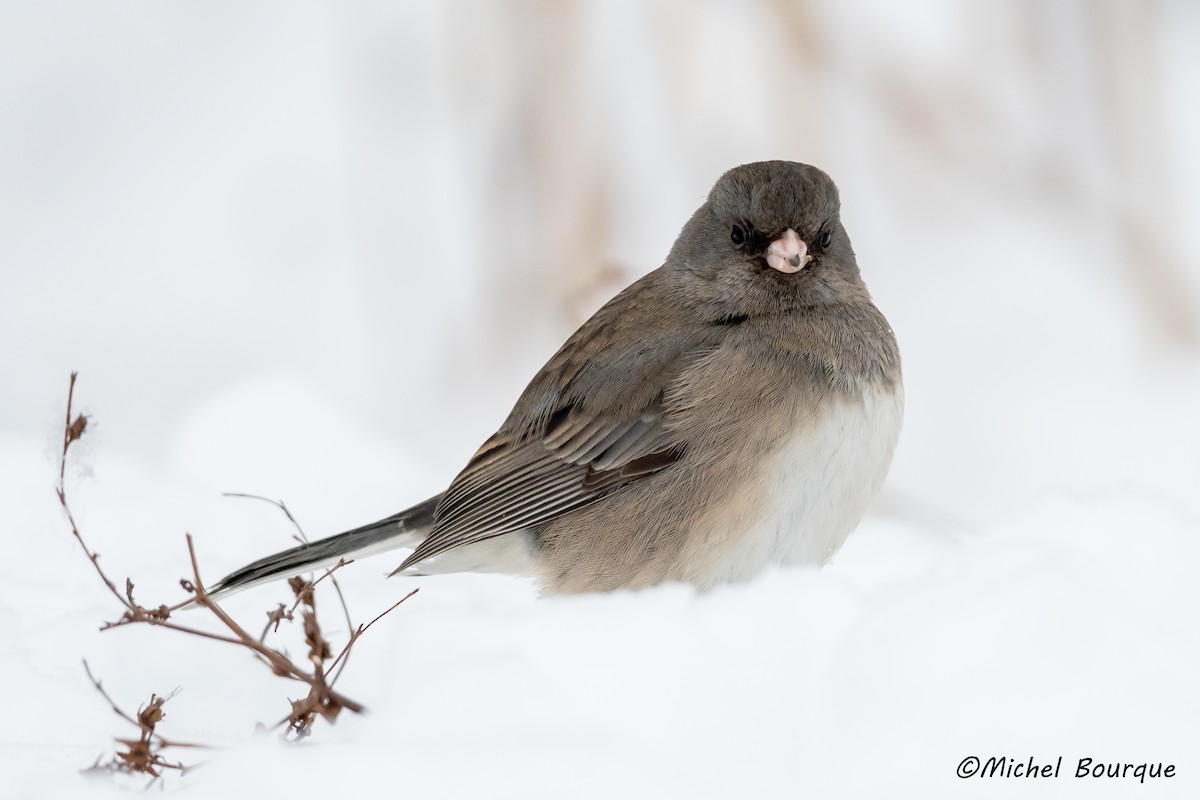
{"x":735,"y":408}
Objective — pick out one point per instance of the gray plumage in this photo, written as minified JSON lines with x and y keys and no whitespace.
{"x":716,"y":416}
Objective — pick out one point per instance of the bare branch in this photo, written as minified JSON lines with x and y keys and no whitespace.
{"x":105,"y":695}
{"x":72,"y":430}
{"x":144,"y":754}
{"x":363,"y":629}
{"x":282,"y":506}
{"x":301,"y":537}
{"x":279,"y":663}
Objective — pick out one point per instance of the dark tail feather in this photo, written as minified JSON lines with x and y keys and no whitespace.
{"x":407,"y":527}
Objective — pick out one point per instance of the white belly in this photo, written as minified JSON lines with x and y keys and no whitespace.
{"x":814,"y":490}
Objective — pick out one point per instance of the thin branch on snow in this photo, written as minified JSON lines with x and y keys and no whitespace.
{"x":144,"y":754}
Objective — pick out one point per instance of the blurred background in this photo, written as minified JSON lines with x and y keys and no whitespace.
{"x":315,"y":250}
{"x":397,"y":211}
{"x":258,"y":229}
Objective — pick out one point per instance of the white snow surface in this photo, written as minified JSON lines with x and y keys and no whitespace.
{"x":1070,"y":630}
{"x":233,"y":221}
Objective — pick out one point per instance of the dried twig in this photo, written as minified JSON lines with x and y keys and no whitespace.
{"x":321,"y":699}
{"x":359,"y":631}
{"x":299,"y":535}
{"x":72,"y":431}
{"x":304,"y":589}
{"x":144,"y":754}
{"x":302,"y":537}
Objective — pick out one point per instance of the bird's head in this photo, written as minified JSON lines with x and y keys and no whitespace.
{"x":768,"y":239}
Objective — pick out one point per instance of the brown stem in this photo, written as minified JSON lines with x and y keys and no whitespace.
{"x":363,"y":629}
{"x":280,"y":664}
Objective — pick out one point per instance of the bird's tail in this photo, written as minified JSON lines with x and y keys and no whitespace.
{"x":405,"y":529}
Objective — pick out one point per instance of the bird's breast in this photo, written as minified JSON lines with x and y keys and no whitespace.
{"x":799,"y":500}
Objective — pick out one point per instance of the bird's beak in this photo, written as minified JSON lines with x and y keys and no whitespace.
{"x":788,"y":253}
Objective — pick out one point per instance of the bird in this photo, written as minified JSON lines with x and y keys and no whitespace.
{"x":736,"y":408}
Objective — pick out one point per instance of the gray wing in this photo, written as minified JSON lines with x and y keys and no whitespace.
{"x":597,"y":417}
{"x":512,"y":484}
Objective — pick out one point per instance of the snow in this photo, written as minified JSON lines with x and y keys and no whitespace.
{"x":1070,"y":630}
{"x":244,"y":256}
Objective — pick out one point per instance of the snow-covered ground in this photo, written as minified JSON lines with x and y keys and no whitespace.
{"x":235,"y":223}
{"x":1069,"y":631}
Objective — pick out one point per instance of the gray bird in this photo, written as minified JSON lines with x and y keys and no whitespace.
{"x":735,"y":408}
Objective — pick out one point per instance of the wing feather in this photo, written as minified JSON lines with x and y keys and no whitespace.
{"x":527,"y":483}
{"x":592,"y":421}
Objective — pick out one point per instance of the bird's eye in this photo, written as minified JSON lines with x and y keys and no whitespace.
{"x":826,"y":238}
{"x":737,"y":235}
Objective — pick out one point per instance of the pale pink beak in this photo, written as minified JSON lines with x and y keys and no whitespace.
{"x":788,"y":253}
